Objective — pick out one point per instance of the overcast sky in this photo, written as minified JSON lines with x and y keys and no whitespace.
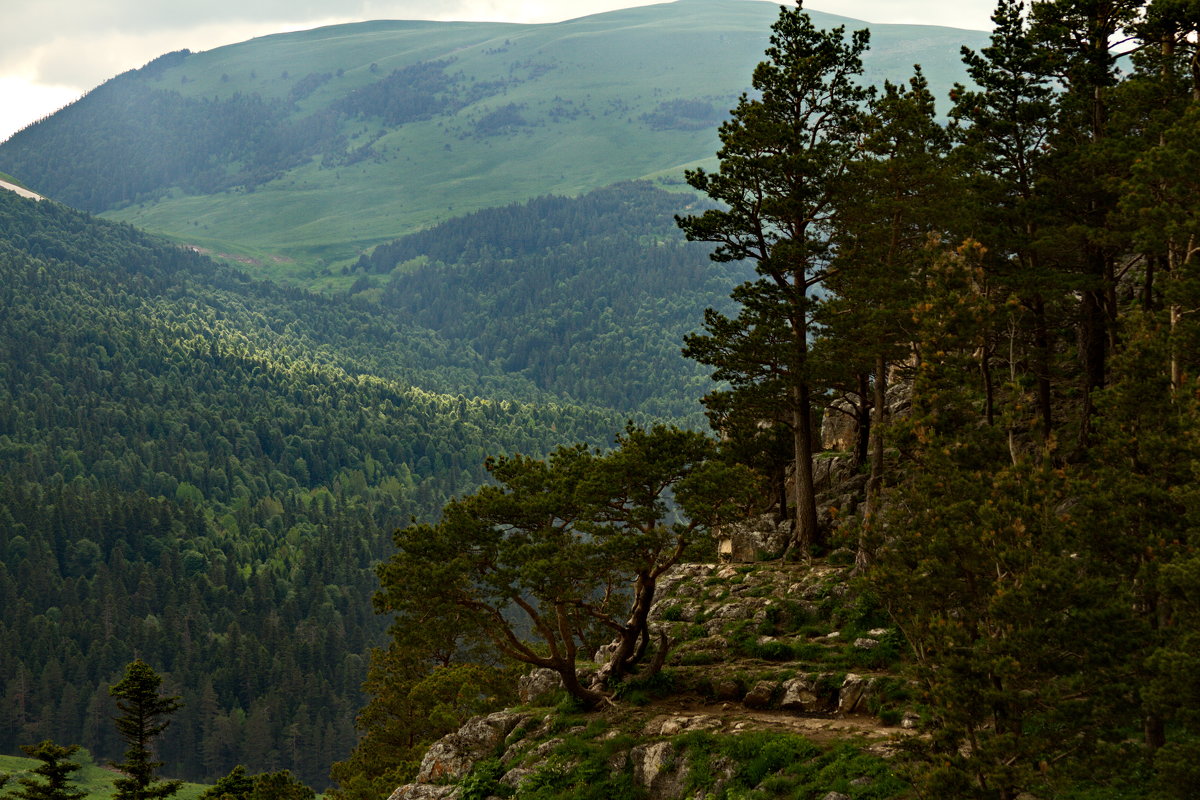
{"x":54,"y":50}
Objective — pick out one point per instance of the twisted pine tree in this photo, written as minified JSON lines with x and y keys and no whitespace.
{"x":144,"y":715}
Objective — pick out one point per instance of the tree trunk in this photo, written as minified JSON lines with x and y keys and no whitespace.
{"x":1041,"y":344}
{"x":862,"y":422}
{"x":635,"y":633}
{"x":805,"y":523}
{"x":875,"y":483}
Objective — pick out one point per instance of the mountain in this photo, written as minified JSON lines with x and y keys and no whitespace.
{"x":202,"y":470}
{"x":295,"y":153}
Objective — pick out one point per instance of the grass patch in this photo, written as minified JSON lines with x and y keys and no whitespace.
{"x":92,"y":778}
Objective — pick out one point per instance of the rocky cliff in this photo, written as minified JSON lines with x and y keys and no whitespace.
{"x":777,"y":684}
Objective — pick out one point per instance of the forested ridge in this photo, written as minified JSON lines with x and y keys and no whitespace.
{"x":568,"y":292}
{"x":201,"y":470}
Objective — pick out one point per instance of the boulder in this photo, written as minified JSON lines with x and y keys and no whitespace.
{"x":454,"y":755}
{"x":798,"y":695}
{"x":755,"y":539}
{"x":538,"y":685}
{"x":421,"y":791}
{"x":855,"y":692}
{"x":761,"y":695}
{"x":656,"y":770}
{"x":808,"y":694}
{"x":727,"y":689}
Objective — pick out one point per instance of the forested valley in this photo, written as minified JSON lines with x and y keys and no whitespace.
{"x":996,"y":295}
{"x":201,"y":470}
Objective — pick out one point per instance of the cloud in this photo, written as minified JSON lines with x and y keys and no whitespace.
{"x":26,"y":101}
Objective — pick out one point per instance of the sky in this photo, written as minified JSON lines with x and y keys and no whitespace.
{"x":55,"y":50}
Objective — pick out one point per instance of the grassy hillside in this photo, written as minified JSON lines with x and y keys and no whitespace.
{"x":300,"y":154}
{"x":95,"y":780}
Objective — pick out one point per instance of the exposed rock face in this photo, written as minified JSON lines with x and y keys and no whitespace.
{"x":755,"y":539}
{"x":855,"y":692}
{"x":455,"y":754}
{"x":838,"y":427}
{"x":655,"y":769}
{"x":761,"y":695}
{"x":421,"y":791}
{"x":537,"y":685}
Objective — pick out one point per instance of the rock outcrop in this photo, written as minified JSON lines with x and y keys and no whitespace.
{"x":753,"y":651}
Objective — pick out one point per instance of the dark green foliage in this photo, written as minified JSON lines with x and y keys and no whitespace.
{"x":129,"y":141}
{"x":210,"y":466}
{"x":484,"y":781}
{"x":236,"y":785}
{"x":771,"y":764}
{"x":416,"y":92}
{"x":783,"y":154}
{"x":561,"y":552}
{"x":588,"y":297}
{"x":684,"y":115}
{"x":281,"y":785}
{"x":640,"y":691}
{"x":144,"y":715}
{"x":54,"y":773}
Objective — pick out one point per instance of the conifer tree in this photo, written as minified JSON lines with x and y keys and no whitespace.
{"x":55,"y":770}
{"x":883,"y":234}
{"x":783,"y":156}
{"x":1002,"y":126}
{"x":144,"y":716}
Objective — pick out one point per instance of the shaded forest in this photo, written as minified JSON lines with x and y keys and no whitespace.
{"x":568,"y":293}
{"x":201,"y":470}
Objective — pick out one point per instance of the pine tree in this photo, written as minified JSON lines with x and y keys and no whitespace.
{"x":883,"y":235}
{"x":55,"y":769}
{"x":144,"y":716}
{"x":782,"y":160}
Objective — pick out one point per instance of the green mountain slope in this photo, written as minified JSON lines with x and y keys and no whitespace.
{"x":201,"y":470}
{"x":299,"y":151}
{"x":590,"y":297}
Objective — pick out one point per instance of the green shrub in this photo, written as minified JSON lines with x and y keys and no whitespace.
{"x":640,"y":691}
{"x":484,"y":781}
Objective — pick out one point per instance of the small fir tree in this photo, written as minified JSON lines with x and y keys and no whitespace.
{"x":54,"y":772}
{"x":144,"y":715}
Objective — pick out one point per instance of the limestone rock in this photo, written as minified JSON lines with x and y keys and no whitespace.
{"x":808,"y":694}
{"x":421,"y":791}
{"x":675,"y":725}
{"x":855,"y":692}
{"x":537,"y":685}
{"x":727,"y":689}
{"x":798,"y":696}
{"x":760,"y":696}
{"x":754,"y":539}
{"x":829,"y":473}
{"x":655,"y":769}
{"x":455,"y":754}
{"x":838,"y":426}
